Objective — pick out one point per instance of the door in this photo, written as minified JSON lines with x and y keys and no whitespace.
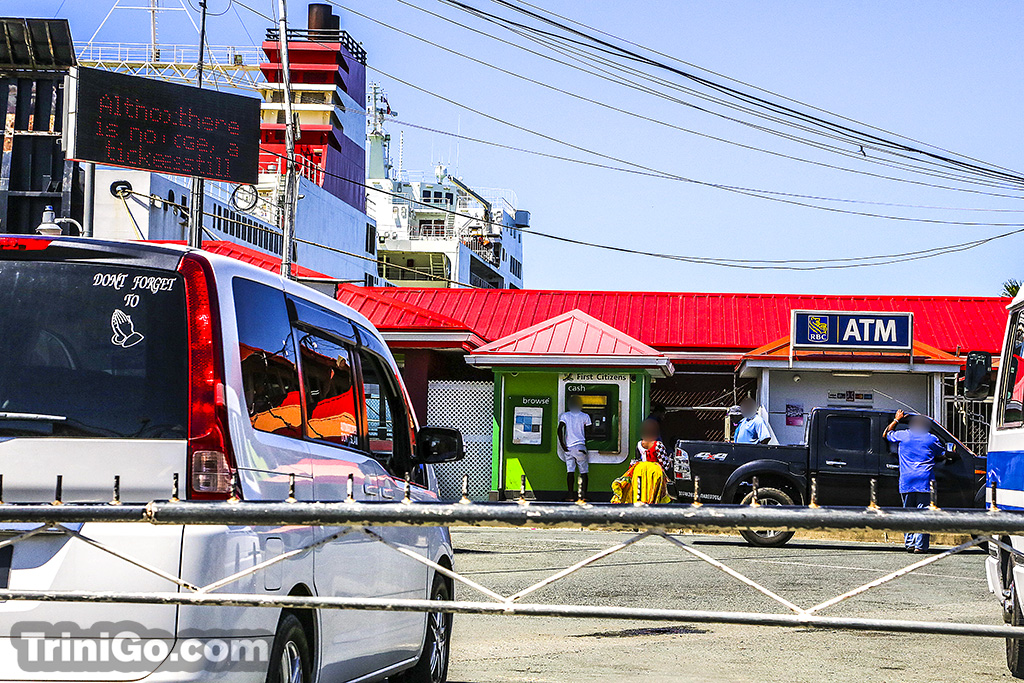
{"x":350,"y":565}
{"x":390,"y":443}
{"x":846,"y":460}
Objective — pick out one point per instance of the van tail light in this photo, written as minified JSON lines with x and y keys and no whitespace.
{"x":211,"y":464}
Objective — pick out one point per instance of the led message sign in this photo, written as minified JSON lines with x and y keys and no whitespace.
{"x":119,"y":120}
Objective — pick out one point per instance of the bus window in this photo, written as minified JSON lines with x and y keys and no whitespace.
{"x":1011,"y":412}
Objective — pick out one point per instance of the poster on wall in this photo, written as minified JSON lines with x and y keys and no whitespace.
{"x":862,"y":399}
{"x":794,"y":414}
{"x":526,"y":428}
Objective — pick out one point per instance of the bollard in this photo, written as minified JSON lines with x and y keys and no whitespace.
{"x":1,"y":489}
{"x":58,"y":492}
{"x":174,"y":488}
{"x":754,"y":502}
{"x":465,"y":490}
{"x":522,"y":489}
{"x":350,"y":497}
{"x":934,"y":504}
{"x":407,"y":497}
{"x":696,"y":492}
{"x":814,"y":493}
{"x":291,"y":488}
{"x":579,"y":490}
{"x":993,"y":508}
{"x":116,"y":500}
{"x":873,"y":503}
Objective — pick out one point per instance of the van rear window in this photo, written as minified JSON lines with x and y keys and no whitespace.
{"x":89,"y":350}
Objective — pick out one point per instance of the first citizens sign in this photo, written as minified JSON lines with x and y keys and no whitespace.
{"x":852,"y":331}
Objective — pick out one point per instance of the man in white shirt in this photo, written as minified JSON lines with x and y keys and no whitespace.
{"x":573,"y":441}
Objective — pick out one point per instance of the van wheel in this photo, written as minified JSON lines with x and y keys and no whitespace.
{"x":764,"y":538}
{"x":432,"y":666}
{"x":290,"y":659}
{"x":1014,"y":646}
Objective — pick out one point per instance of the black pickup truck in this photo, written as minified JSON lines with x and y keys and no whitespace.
{"x":845,"y":450}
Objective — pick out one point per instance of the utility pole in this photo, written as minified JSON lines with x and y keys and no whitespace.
{"x":195,"y":214}
{"x":288,"y":214}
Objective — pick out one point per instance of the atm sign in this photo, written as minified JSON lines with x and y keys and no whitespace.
{"x":852,"y":330}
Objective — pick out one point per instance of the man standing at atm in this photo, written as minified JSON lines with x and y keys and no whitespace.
{"x":572,"y":438}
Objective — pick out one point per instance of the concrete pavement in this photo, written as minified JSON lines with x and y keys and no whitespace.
{"x":654,"y":574}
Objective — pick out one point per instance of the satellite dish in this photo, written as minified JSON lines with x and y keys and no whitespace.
{"x":441,"y":172}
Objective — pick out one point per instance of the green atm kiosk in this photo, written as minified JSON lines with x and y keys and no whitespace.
{"x":535,"y":370}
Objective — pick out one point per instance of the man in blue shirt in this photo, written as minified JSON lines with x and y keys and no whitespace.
{"x":919,"y":450}
{"x":752,"y":428}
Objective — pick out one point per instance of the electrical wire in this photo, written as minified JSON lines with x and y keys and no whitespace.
{"x":744,"y":83}
{"x":183,"y":207}
{"x":632,"y":84}
{"x":746,"y":191}
{"x":638,"y":115}
{"x":750,"y":264}
{"x":594,"y":42}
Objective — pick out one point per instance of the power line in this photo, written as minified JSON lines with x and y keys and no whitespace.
{"x":755,"y":87}
{"x":256,"y":226}
{"x":632,"y":84}
{"x":750,"y":264}
{"x":749,"y":192}
{"x":987,"y":169}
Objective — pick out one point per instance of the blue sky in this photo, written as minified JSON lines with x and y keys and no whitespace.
{"x":944,"y":73}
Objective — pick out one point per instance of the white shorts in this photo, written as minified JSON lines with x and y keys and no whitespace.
{"x":577,"y":458}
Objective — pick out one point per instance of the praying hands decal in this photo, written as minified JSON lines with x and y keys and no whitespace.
{"x":125,"y":335}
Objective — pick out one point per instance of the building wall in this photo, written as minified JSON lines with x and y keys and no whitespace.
{"x":812,"y":391}
{"x":321,"y":218}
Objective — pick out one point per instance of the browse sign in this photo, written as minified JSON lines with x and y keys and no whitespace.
{"x":854,"y":330}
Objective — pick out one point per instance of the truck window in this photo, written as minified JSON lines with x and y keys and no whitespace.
{"x":846,"y":433}
{"x":270,"y":377}
{"x":1012,"y":396}
{"x":100,"y":348}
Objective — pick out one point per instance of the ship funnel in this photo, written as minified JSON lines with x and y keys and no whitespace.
{"x":321,"y":17}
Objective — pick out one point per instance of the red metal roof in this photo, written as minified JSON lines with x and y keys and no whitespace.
{"x":251,"y":256}
{"x":671,"y":321}
{"x":571,"y":334}
{"x":374,"y":304}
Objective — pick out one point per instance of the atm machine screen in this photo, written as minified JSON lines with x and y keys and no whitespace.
{"x":596,"y":405}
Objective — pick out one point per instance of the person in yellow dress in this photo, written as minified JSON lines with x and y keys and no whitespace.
{"x":646,"y":479}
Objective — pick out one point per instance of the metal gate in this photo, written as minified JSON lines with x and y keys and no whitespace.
{"x":969,"y":421}
{"x":468,"y":407}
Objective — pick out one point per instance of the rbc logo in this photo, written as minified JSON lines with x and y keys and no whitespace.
{"x":817,"y":328}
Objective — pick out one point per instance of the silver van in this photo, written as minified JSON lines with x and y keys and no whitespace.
{"x":154,"y":363}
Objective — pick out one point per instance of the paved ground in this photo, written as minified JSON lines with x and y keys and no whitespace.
{"x":492,"y":649}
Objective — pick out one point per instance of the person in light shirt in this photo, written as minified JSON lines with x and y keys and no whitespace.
{"x":572,"y":438}
{"x":752,"y":428}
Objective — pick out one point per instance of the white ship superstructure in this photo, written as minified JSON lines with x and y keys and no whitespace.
{"x":439,"y":231}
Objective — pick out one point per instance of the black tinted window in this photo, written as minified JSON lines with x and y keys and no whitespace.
{"x":270,"y":377}
{"x":330,"y":393}
{"x":102,"y":349}
{"x":385,"y":416}
{"x":848,"y":433}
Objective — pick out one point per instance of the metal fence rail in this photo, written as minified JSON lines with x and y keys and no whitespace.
{"x":351,"y":517}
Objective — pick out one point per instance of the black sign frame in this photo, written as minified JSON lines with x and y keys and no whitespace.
{"x":114,"y":119}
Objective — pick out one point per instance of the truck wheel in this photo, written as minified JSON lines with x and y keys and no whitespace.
{"x":1014,"y":646}
{"x":290,"y":659}
{"x":432,"y":666}
{"x":764,"y":538}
